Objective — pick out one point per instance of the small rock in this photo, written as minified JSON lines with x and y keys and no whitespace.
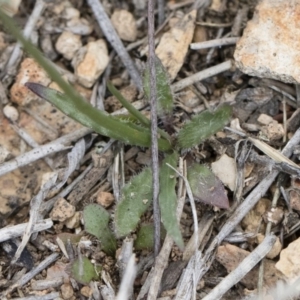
{"x":62,"y":210}
{"x":74,"y":222}
{"x":125,"y":25}
{"x":269,"y":47}
{"x":273,"y":131}
{"x":289,"y":262}
{"x":105,"y":198}
{"x":86,"y":291}
{"x":295,"y":199}
{"x":90,"y":62}
{"x":225,"y":170}
{"x":175,"y":43}
{"x":29,"y":71}
{"x":11,"y":113}
{"x":218,"y":6}
{"x":264,"y":119}
{"x":67,"y":44}
{"x":189,"y":99}
{"x":253,"y":220}
{"x":71,"y":13}
{"x":66,"y":291}
{"x":79,"y":26}
{"x":231,"y":256}
{"x":275,"y":249}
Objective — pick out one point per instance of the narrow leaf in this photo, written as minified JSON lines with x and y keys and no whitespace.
{"x":168,"y":198}
{"x":136,"y":198}
{"x":133,"y":111}
{"x":206,"y":187}
{"x":202,"y":126}
{"x":164,"y":92}
{"x":136,"y":113}
{"x":83,"y":112}
{"x":96,"y":220}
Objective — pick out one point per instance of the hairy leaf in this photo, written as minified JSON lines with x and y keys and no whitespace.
{"x":202,"y":126}
{"x":164,"y":92}
{"x":96,"y":220}
{"x":168,"y":198}
{"x":206,"y":187}
{"x":145,"y":237}
{"x":83,"y":270}
{"x":136,"y":198}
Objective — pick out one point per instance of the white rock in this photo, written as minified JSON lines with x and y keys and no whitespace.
{"x":289,"y":262}
{"x":68,"y":44}
{"x":125,"y":25}
{"x":79,"y":26}
{"x":270,"y":44}
{"x":11,"y":113}
{"x":225,"y":170}
{"x":264,"y":119}
{"x":174,"y":44}
{"x":90,"y":62}
{"x":273,"y":131}
{"x":74,"y":221}
{"x":71,"y":13}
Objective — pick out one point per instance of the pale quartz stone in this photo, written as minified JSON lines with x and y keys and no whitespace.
{"x":68,"y":44}
{"x":270,"y":45}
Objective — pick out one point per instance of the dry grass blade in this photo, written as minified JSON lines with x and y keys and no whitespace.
{"x":271,"y":152}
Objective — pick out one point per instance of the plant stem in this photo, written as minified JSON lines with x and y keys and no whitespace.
{"x":154,"y":145}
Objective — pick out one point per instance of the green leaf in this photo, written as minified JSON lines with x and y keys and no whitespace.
{"x":202,"y":126}
{"x":206,"y":187}
{"x":96,"y":220}
{"x":136,"y":198}
{"x":133,"y":111}
{"x":83,"y":112}
{"x":164,"y":93}
{"x":168,"y":199}
{"x":83,"y":270}
{"x":145,"y":237}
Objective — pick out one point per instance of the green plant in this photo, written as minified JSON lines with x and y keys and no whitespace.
{"x":136,"y":195}
{"x":96,"y":220}
{"x":83,"y":270}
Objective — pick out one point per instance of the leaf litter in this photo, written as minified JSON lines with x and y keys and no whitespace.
{"x":23,"y":164}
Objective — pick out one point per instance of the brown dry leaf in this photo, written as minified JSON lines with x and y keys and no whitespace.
{"x":174,"y":44}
